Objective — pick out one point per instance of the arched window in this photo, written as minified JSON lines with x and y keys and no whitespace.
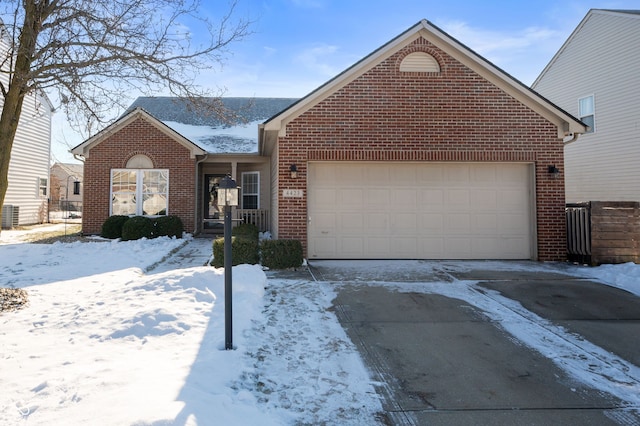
{"x":419,"y":62}
{"x":139,"y":189}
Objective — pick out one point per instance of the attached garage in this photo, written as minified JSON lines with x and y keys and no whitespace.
{"x":421,"y":150}
{"x":387,"y":210}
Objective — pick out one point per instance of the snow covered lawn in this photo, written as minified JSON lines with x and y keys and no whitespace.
{"x":104,"y":343}
{"x":111,"y":338}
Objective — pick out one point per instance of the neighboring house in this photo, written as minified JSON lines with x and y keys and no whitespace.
{"x":66,"y":188}
{"x":422,"y":150}
{"x":595,"y":76}
{"x":26,"y":199}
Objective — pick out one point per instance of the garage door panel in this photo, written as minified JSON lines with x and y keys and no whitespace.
{"x":420,"y":210}
{"x":378,"y":221}
{"x":458,"y":199}
{"x":405,"y":247}
{"x":484,"y":200}
{"x":432,"y":200}
{"x":457,"y":224}
{"x":352,"y":246}
{"x":324,"y":222}
{"x":432,"y":222}
{"x":483,"y":175}
{"x":350,"y":198}
{"x":354,"y":222}
{"x":377,"y":198}
{"x":405,"y":224}
{"x":407,"y":198}
{"x":485,"y":224}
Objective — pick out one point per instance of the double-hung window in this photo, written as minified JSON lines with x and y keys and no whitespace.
{"x":250,"y":190}
{"x":140,"y":192}
{"x":587,"y":112}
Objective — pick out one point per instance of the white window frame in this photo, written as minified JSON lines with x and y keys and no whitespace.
{"x":43,"y":185}
{"x":243,"y":186}
{"x":583,"y":114}
{"x":139,"y":190}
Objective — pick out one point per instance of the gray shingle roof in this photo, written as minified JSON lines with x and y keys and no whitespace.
{"x":235,"y":131}
{"x":181,"y":111}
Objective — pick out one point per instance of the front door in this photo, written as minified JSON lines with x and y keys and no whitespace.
{"x":213,"y":214}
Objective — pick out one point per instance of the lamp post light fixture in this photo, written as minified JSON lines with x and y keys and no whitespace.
{"x":227,"y":195}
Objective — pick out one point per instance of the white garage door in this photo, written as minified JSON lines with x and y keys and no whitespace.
{"x":420,"y":211}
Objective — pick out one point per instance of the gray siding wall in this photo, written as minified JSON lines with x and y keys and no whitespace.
{"x":30,"y":158}
{"x":602,"y":58}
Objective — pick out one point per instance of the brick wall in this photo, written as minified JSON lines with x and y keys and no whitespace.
{"x":454,"y":115}
{"x":139,"y":137}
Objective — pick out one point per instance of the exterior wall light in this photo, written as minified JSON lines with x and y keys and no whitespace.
{"x":294,"y":171}
{"x":553,"y":170}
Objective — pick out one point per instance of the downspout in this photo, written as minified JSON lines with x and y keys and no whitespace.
{"x":573,"y":136}
{"x":195,"y":210}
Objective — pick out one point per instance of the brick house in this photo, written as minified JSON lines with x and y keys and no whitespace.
{"x":423,"y":150}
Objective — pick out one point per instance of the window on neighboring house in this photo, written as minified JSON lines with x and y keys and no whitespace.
{"x":42,"y":187}
{"x":587,"y":112}
{"x":141,"y":192}
{"x":250,"y":190}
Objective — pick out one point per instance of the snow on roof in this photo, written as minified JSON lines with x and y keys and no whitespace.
{"x":235,"y":133}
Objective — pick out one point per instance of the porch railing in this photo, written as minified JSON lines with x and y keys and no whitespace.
{"x":257,"y":217}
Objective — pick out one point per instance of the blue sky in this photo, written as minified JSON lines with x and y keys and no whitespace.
{"x":298,"y":45}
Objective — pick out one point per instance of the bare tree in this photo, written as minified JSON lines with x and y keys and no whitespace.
{"x":91,"y":53}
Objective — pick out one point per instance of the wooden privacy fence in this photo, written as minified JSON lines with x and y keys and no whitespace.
{"x":603,"y":232}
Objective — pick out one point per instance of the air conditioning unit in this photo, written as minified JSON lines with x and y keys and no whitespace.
{"x":10,"y":216}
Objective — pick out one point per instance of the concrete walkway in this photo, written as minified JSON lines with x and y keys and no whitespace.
{"x":441,"y":361}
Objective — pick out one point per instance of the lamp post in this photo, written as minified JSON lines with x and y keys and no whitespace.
{"x":76,"y":191}
{"x":227,"y":194}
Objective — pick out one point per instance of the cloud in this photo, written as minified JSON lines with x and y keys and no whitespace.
{"x":522,"y":53}
{"x":315,"y":59}
{"x":487,"y":42}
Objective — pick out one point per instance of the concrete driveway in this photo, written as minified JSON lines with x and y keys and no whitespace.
{"x":441,"y":340}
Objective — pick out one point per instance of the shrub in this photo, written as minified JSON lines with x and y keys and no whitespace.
{"x":138,"y":227}
{"x":243,"y":250}
{"x":246,"y":230}
{"x":112,"y":227}
{"x":281,"y":254}
{"x":169,"y":226}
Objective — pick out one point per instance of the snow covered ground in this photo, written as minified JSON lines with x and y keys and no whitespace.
{"x":115,"y":334}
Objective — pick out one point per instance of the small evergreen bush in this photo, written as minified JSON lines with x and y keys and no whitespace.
{"x":112,"y":227}
{"x":246,"y":230}
{"x":281,"y":254}
{"x":169,"y":226}
{"x":138,"y":227}
{"x":243,"y":250}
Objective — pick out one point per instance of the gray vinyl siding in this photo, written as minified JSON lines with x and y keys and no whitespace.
{"x":30,"y":158}
{"x":601,"y":58}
